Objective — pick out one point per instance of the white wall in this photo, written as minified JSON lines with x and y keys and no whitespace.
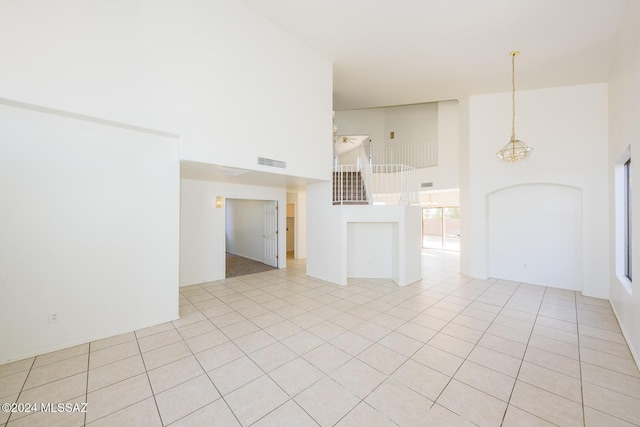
{"x":245,"y":228}
{"x":446,"y":175}
{"x":548,"y":223}
{"x":88,"y":229}
{"x":324,"y":249}
{"x":624,"y":128}
{"x":351,"y":157}
{"x":412,"y":124}
{"x":301,"y":226}
{"x":468,"y":242}
{"x":329,"y":242}
{"x":370,"y":250}
{"x":202,"y":233}
{"x":567,"y":127}
{"x":202,"y":226}
{"x":230,"y":83}
{"x":299,"y":200}
{"x":363,"y":122}
{"x":440,"y":198}
{"x":230,"y":86}
{"x":406,"y":248}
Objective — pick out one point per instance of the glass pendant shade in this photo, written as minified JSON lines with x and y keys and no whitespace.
{"x":514,"y":151}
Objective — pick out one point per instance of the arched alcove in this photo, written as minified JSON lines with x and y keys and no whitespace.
{"x":535,"y":235}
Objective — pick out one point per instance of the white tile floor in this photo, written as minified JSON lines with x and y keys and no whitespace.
{"x":281,"y":349}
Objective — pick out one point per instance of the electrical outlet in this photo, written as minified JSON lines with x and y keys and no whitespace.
{"x":54,"y":317}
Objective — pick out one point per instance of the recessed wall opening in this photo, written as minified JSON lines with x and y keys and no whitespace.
{"x":370,"y":251}
{"x":535,"y":235}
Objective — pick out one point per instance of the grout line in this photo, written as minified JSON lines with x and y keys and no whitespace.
{"x":22,"y":388}
{"x":214,"y":385}
{"x":300,"y":291}
{"x":325,"y":375}
{"x":86,"y":390}
{"x":584,"y":418}
{"x":146,"y":371}
{"x":515,"y":382}
{"x":245,"y":355}
{"x":451,"y":377}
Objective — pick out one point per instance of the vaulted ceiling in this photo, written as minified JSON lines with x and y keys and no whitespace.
{"x":412,"y":51}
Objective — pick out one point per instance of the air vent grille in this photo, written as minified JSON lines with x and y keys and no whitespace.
{"x":427,"y":184}
{"x":272,"y":163}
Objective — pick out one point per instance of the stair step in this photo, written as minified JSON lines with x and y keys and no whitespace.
{"x":349,"y":189}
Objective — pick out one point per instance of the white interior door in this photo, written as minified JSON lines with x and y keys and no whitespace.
{"x":271,"y":233}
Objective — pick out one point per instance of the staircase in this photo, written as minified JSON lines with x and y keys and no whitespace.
{"x":358,"y":181}
{"x":349,"y":188}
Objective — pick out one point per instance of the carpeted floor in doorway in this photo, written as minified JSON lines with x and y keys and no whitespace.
{"x":240,"y":266}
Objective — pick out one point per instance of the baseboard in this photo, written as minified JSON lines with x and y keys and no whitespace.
{"x":245,"y":256}
{"x":634,"y":354}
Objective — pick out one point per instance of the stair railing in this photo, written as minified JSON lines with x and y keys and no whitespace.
{"x":352,"y":182}
{"x":348,"y":186}
{"x":364,"y":166}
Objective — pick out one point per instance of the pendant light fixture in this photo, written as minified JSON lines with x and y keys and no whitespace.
{"x":515,"y":150}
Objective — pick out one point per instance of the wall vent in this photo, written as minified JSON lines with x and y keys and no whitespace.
{"x":272,"y":163}
{"x":427,"y":184}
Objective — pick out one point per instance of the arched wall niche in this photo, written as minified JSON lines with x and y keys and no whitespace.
{"x":535,"y":235}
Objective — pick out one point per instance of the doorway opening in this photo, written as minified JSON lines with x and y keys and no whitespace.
{"x":441,"y":228}
{"x":291,"y":230}
{"x":251,"y":235}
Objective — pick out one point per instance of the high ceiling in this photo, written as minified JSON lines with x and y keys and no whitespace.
{"x":412,"y":51}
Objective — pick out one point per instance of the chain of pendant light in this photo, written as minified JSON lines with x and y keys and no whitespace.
{"x":513,"y":93}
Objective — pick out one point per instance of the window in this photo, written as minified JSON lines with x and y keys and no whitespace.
{"x":623,"y":218}
{"x":627,"y":220}
{"x":441,"y":228}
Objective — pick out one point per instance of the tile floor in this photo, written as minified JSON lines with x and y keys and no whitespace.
{"x":282,"y":349}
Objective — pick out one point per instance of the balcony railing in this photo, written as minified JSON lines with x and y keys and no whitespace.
{"x":372,"y":181}
{"x":415,"y":155}
{"x":395,"y":184}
